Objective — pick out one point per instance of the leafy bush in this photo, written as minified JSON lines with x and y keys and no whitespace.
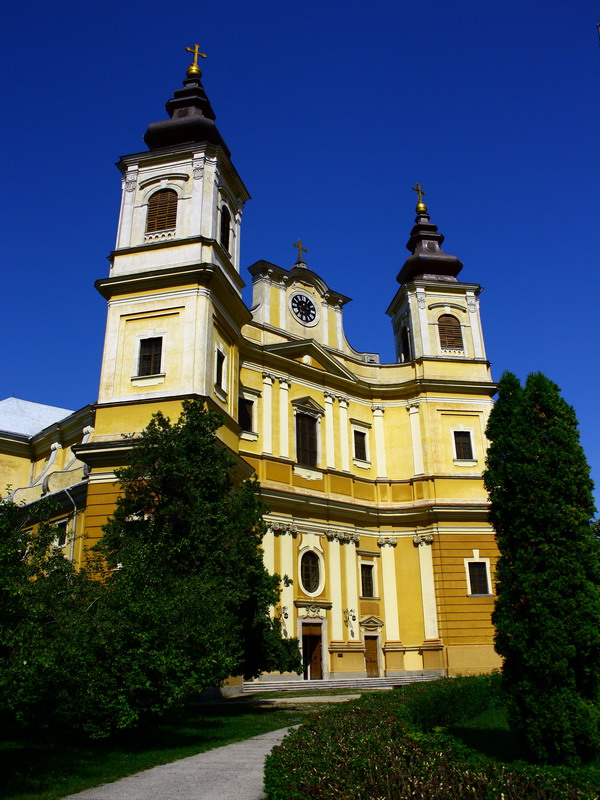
{"x":384,"y":747}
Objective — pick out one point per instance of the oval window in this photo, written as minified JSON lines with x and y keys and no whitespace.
{"x":309,"y":572}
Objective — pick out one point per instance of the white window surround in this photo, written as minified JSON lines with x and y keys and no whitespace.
{"x":220,"y":387}
{"x":312,"y":472}
{"x":361,"y":427}
{"x":368,"y":561}
{"x":464,"y":462}
{"x":321,"y":586}
{"x":62,"y":523}
{"x":477,"y":560}
{"x":252,"y":395}
{"x":146,"y":380}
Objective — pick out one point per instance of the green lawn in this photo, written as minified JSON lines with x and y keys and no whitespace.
{"x":46,"y":768}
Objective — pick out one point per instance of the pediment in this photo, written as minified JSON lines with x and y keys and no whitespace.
{"x":309,"y":404}
{"x":309,"y":352}
{"x":371,"y":623}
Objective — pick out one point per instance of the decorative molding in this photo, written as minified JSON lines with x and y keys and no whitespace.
{"x":342,"y":536}
{"x":472,"y":303}
{"x":423,"y":538}
{"x":421,"y":300}
{"x":282,"y":528}
{"x":377,"y":408}
{"x":131,"y":181}
{"x":412,"y":407}
{"x":389,"y":541}
{"x":285,"y":381}
{"x":159,"y":236}
{"x":349,"y":619}
{"x":198,"y":167}
{"x":371,"y":623}
{"x":268,"y":377}
{"x":312,"y":609}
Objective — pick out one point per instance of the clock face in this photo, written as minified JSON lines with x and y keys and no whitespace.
{"x":303,"y":308}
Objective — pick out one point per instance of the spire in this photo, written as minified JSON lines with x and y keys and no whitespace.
{"x":428,"y":260}
{"x":191,"y":116}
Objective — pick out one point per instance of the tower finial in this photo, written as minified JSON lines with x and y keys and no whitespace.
{"x":421,"y":207}
{"x":194,"y":71}
{"x":298,"y":246}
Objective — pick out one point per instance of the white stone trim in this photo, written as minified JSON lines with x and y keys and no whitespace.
{"x":477,"y":560}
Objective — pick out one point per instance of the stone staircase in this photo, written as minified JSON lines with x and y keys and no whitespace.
{"x":300,"y":685}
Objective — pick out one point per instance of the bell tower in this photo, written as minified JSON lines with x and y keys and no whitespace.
{"x":175,"y":309}
{"x":434,"y":315}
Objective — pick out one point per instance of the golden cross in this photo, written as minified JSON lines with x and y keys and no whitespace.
{"x":196,"y":51}
{"x":419,"y":191}
{"x":301,"y":250}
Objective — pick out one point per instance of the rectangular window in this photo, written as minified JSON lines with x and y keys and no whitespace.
{"x":220,"y":369}
{"x":367,"y":586}
{"x":463,"y":445}
{"x":306,"y":440}
{"x":150,"y":356}
{"x":61,"y":533}
{"x":245,"y":413}
{"x":478,"y":577}
{"x":360,"y":445}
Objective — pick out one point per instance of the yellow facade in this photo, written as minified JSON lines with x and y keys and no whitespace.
{"x":371,"y":472}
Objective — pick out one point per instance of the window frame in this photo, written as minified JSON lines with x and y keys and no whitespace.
{"x":476,"y":559}
{"x":141,"y":341}
{"x":370,"y":566}
{"x":171,"y":214}
{"x":457,"y":458}
{"x":225,"y":216}
{"x":321,"y":572}
{"x":313,"y":451}
{"x":221,"y":372}
{"x":445,"y":334}
{"x":358,"y":426}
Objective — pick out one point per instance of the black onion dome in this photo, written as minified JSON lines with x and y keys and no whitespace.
{"x":191,"y":120}
{"x":428,"y":260}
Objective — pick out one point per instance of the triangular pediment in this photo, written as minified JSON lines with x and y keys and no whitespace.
{"x":309,"y":404}
{"x":371,"y":623}
{"x":309,"y":352}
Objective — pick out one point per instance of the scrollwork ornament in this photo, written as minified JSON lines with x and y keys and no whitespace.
{"x":421,"y":301}
{"x":422,"y":539}
{"x":387,"y":541}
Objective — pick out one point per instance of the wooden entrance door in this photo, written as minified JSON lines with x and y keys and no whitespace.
{"x":371,"y":662}
{"x":312,"y":652}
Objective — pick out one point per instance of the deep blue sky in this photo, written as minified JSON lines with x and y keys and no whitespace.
{"x":332,"y":111}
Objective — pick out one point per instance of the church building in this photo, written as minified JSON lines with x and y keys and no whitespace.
{"x":372,"y":472}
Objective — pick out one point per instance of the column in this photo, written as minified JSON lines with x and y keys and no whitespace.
{"x":423,"y":541}
{"x":351,"y":570}
{"x":415,"y":433}
{"x":329,"y":437}
{"x":127,"y":204}
{"x":267,"y":409}
{"x":284,"y":444}
{"x":476,"y":333}
{"x":268,"y":549}
{"x":339,"y":332}
{"x":285,"y":533}
{"x":324,"y":321}
{"x":424,"y":324}
{"x":390,"y":592}
{"x":344,"y":433}
{"x":380,"y":461}
{"x":335,"y":586}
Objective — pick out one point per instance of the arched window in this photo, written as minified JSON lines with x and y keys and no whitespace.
{"x":309,"y":572}
{"x":162,"y":211}
{"x":225,"y":230}
{"x":405,"y":342}
{"x":450,"y":333}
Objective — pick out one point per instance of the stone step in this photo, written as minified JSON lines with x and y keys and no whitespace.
{"x":336,"y":683}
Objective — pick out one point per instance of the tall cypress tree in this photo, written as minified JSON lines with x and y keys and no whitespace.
{"x":547,"y":612}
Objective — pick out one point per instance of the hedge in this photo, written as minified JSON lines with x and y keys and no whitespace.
{"x":391,"y":746}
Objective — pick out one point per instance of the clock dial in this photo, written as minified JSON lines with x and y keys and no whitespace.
{"x":303,"y":308}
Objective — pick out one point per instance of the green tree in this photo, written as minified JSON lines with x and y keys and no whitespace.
{"x":547,"y":612}
{"x":43,"y":618}
{"x":185,"y":575}
{"x":173,"y":600}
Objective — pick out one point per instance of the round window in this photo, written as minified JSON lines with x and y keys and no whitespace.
{"x":309,"y":572}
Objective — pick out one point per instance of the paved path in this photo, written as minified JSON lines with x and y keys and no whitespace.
{"x":232,"y":772}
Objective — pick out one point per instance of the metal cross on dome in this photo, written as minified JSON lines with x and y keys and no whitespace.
{"x":419,"y":191}
{"x":298,"y":246}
